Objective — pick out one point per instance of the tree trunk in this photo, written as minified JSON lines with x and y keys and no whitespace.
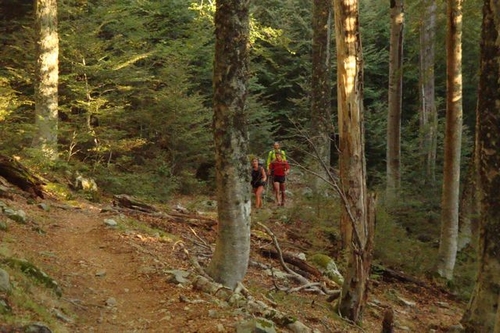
{"x":395,"y":101}
{"x":357,"y":220}
{"x":46,"y":78}
{"x":321,"y":122}
{"x":481,"y":314}
{"x":452,"y":144}
{"x":497,"y":319}
{"x":230,"y":260}
{"x":350,"y":114}
{"x":469,"y":207}
{"x":428,"y":115}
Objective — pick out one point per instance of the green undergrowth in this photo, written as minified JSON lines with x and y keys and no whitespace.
{"x":31,"y":270}
{"x":406,"y":238}
{"x":34,"y":297}
{"x":394,"y":248}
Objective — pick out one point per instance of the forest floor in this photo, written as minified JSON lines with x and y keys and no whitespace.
{"x":119,"y":279}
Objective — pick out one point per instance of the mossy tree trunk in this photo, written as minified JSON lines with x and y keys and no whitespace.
{"x":230,"y":260}
{"x":482,"y":312}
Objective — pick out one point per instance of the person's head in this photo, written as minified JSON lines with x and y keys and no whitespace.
{"x":279,"y":157}
{"x":255,"y":162}
{"x":276,"y":145}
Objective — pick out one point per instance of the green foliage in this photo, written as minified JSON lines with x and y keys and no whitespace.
{"x":29,"y":301}
{"x":135,"y":103}
{"x":375,"y":143}
{"x":321,"y":260}
{"x":280,"y":59}
{"x":465,"y":273}
{"x":149,"y":185}
{"x":136,"y":80}
{"x":321,"y":213}
{"x":29,"y":269}
{"x":394,"y":247}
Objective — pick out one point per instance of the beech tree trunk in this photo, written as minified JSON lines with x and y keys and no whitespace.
{"x":428,"y":113}
{"x":230,"y":260}
{"x":321,"y":122}
{"x":358,"y":212}
{"x":395,"y":101}
{"x":453,"y":142}
{"x":46,"y":78}
{"x":482,"y":312}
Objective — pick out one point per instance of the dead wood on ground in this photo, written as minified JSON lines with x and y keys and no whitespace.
{"x":17,"y":174}
{"x":132,"y":205}
{"x":126,"y":201}
{"x":292,"y":260}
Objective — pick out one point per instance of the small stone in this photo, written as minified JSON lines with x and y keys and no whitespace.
{"x":101,"y":273}
{"x":111,"y":302}
{"x":110,"y":222}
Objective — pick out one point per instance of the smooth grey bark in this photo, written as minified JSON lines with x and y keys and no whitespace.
{"x":393,"y":155}
{"x":482,"y":314}
{"x":453,"y":142}
{"x":230,"y":260}
{"x":46,"y":78}
{"x":321,"y":122}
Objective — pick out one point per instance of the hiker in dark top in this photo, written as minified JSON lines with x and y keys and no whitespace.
{"x":259,"y":179}
{"x":279,"y":169}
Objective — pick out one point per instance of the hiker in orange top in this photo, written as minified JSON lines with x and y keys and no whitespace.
{"x":279,"y":169}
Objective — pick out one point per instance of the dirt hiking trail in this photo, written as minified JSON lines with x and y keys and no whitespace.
{"x":119,"y":278}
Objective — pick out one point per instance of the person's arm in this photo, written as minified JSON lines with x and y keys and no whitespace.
{"x":283,"y":154}
{"x":287,"y":168}
{"x":264,"y":176}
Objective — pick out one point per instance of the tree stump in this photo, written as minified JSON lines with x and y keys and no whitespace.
{"x":388,"y":322}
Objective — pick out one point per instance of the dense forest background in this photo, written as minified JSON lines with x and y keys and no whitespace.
{"x":135,"y":99}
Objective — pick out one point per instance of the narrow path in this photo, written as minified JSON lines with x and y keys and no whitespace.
{"x":112,"y":279}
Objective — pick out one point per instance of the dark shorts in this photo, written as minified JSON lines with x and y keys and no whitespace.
{"x":279,"y":179}
{"x":258,"y":184}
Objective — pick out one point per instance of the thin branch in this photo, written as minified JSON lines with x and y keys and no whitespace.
{"x":357,"y":245}
{"x":305,"y":282}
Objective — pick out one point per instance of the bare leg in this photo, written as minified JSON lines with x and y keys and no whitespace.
{"x":258,"y":196}
{"x":282,"y":190}
{"x":254,"y":191}
{"x":276,"y":186}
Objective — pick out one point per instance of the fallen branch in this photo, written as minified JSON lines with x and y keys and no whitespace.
{"x":280,"y":255}
{"x":123,"y":200}
{"x":130,"y":205}
{"x":393,"y":275}
{"x":291,"y":259}
{"x":17,"y":174}
{"x":305,"y":283}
